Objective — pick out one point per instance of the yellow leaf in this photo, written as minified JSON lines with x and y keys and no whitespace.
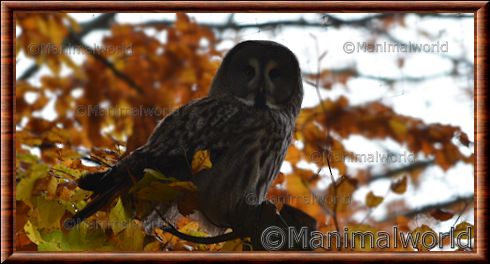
{"x":201,"y":161}
{"x":364,"y":237}
{"x":117,"y":217}
{"x":424,"y":241}
{"x":398,"y":127}
{"x":131,"y":239}
{"x":373,"y":200}
{"x":32,"y":233}
{"x":463,"y":228}
{"x":26,"y":184}
{"x":232,"y":245}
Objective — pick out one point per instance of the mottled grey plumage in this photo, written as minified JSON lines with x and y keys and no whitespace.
{"x":246,"y":124}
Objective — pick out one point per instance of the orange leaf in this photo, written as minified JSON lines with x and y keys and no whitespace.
{"x":399,"y":186}
{"x":373,"y":200}
{"x":441,"y":215}
{"x":340,"y":194}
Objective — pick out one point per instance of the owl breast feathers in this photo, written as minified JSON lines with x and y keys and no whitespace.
{"x":246,"y":126}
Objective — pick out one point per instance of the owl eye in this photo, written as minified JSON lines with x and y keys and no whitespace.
{"x":249,"y":72}
{"x":274,"y":74}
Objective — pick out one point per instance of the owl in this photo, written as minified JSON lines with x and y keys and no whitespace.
{"x":245,"y":123}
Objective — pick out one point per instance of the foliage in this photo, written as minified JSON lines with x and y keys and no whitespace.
{"x":102,"y":115}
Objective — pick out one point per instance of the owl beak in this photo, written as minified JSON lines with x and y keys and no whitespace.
{"x":260,"y":97}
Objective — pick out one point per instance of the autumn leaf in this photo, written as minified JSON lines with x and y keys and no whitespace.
{"x":201,"y":161}
{"x":150,"y":176}
{"x":399,"y":186}
{"x":373,"y":200}
{"x":156,"y":187}
{"x":131,"y":238}
{"x":425,"y":237}
{"x":293,"y":155}
{"x":28,"y":180}
{"x":117,"y":217}
{"x":47,"y":213}
{"x":32,"y":233}
{"x":340,"y":193}
{"x":363,"y":235}
{"x":233,"y":245}
{"x":462,"y":228}
{"x":441,"y":215}
{"x":154,"y":246}
{"x":157,"y":192}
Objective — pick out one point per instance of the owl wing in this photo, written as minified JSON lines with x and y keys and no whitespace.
{"x":197,"y":125}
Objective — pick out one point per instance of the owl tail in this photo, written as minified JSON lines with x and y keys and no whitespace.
{"x":106,"y":186}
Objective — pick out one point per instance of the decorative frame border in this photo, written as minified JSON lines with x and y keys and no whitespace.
{"x":481,"y":46}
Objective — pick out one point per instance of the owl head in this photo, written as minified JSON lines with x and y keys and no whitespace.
{"x":260,"y":74}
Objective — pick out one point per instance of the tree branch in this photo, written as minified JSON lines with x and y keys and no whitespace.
{"x":427,"y":208}
{"x":200,"y":240}
{"x":327,"y":20}
{"x":356,"y":74}
{"x":395,"y":40}
{"x":74,"y":40}
{"x":417,"y":165}
{"x":101,"y":22}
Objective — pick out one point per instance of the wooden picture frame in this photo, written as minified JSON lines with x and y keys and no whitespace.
{"x":479,"y":8}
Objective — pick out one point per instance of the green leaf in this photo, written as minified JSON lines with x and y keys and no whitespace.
{"x":149,"y":177}
{"x":47,"y":213}
{"x":80,"y":238}
{"x":52,"y":241}
{"x":27,"y":158}
{"x":85,"y":237}
{"x":118,"y":218}
{"x":157,"y":175}
{"x":157,"y":192}
{"x":23,"y":190}
{"x":61,"y":170}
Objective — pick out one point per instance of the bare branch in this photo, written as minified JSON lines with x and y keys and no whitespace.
{"x":421,"y":164}
{"x":427,"y":208}
{"x":326,"y":20}
{"x":356,"y":74}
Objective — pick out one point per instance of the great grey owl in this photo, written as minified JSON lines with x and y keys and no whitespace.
{"x":246,"y":124}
